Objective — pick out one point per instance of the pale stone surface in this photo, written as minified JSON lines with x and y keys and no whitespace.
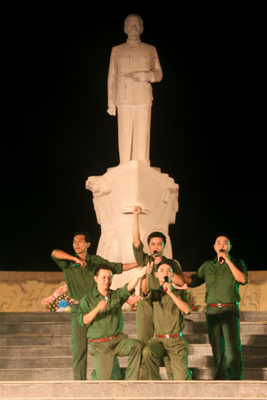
{"x":161,"y":390}
{"x":24,"y":291}
{"x":133,"y":67}
{"x":117,"y":192}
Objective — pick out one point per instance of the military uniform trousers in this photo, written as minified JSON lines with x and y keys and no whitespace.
{"x":79,"y":346}
{"x":224,"y":335}
{"x":177,"y":351}
{"x":79,"y":350}
{"x":103,"y":354}
{"x":145,"y":332}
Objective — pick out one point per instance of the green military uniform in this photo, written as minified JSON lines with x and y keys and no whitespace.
{"x":107,"y":324}
{"x":81,"y":281}
{"x":223,"y":321}
{"x":169,"y":321}
{"x":144,"y":317}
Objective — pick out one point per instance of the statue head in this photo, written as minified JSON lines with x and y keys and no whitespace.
{"x":133,"y":26}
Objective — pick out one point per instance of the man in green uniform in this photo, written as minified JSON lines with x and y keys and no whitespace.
{"x":223,"y":275}
{"x":169,"y":307}
{"x":144,"y":318}
{"x":100,"y":311}
{"x":79,"y":275}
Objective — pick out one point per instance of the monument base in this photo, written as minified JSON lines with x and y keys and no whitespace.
{"x":114,"y":196}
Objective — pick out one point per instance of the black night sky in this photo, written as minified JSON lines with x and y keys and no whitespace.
{"x":205,"y":134}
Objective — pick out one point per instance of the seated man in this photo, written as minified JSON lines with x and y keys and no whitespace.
{"x":169,"y":306}
{"x":144,"y":320}
{"x":100,"y":310}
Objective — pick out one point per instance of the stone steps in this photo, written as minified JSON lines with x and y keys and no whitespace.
{"x":66,"y":351}
{"x":46,"y":328}
{"x":35,"y":362}
{"x":65,"y":374}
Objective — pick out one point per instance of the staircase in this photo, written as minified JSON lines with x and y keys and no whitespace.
{"x":36,"y":362}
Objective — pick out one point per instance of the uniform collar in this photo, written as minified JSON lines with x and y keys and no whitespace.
{"x":96,"y":293}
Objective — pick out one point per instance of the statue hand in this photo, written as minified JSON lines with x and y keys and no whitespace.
{"x":142,"y":76}
{"x":112,"y":110}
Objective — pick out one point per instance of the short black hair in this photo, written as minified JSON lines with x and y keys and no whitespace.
{"x":222,"y":234}
{"x":87,"y":235}
{"x":103,"y":266}
{"x":156,"y":234}
{"x":168,"y":262}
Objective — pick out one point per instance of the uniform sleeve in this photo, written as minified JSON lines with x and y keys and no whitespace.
{"x":176,"y":267}
{"x":117,"y":267}
{"x":182,"y":295}
{"x":198,"y":278}
{"x":140,"y":256}
{"x":63,"y":264}
{"x":124,"y":294}
{"x":242,"y":267}
{"x":83,"y":309}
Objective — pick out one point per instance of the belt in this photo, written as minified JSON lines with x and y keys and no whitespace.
{"x":170,"y":336}
{"x":76,"y":302}
{"x":104,"y":339}
{"x":221,"y":304}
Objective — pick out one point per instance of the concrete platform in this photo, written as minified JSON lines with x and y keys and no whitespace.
{"x":134,"y":390}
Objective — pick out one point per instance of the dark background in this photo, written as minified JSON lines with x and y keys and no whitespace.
{"x":56,"y":132}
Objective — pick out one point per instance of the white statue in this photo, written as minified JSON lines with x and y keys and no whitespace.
{"x":133,"y":66}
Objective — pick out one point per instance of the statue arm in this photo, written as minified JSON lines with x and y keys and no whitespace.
{"x":112,"y":84}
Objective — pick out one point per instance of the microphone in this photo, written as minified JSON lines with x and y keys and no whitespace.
{"x":74,"y":264}
{"x":166,"y":279}
{"x":221,"y":258}
{"x":107,"y":297}
{"x":155,"y":253}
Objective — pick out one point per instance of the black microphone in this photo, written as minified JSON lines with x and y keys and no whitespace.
{"x":155,"y":253}
{"x":221,"y":258}
{"x":166,"y":279}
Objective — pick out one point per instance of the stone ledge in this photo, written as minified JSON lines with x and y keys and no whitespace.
{"x":24,"y":291}
{"x":134,"y":390}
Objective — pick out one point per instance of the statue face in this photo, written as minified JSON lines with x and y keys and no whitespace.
{"x":133,"y":27}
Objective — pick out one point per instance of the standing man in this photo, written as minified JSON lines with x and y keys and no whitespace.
{"x":169,"y":306}
{"x":133,"y":67}
{"x":100,"y":311}
{"x":79,"y":275}
{"x":144,"y":316}
{"x":223,"y":275}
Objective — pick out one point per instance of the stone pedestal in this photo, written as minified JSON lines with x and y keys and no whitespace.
{"x":117,"y":192}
